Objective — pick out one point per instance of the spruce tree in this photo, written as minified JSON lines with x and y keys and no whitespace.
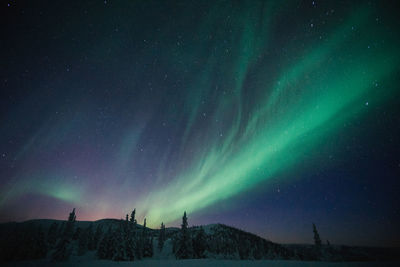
{"x":140,"y":241}
{"x":132,"y":219}
{"x":97,"y":237}
{"x":77,"y":233}
{"x":150,"y":247}
{"x":244,"y":249}
{"x":83,"y":242}
{"x":61,"y":229}
{"x":185,"y":249}
{"x":69,"y":228}
{"x":119,"y":253}
{"x":161,"y":237}
{"x":129,"y":245}
{"x":90,"y":237}
{"x":200,"y":244}
{"x":102,"y":249}
{"x":317,"y":239}
{"x":133,"y":246}
{"x":40,"y":245}
{"x":146,"y":242}
{"x":106,"y":246}
{"x":138,"y":245}
{"x":52,"y":234}
{"x":258,"y":250}
{"x":63,"y":249}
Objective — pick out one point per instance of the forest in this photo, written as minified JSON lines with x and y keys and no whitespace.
{"x":126,"y":240}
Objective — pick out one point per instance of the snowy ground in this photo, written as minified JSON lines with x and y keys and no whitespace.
{"x":165,"y":259}
{"x":204,"y":262}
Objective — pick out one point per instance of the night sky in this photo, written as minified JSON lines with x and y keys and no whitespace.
{"x":263,"y":115}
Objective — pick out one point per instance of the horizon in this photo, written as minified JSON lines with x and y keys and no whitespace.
{"x":177,"y":225}
{"x":261,"y":115}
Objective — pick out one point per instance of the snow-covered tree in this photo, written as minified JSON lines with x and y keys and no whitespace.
{"x":147,"y":242}
{"x":97,"y":237}
{"x":39,"y":245}
{"x":83,"y":242}
{"x":90,"y":238}
{"x":77,"y":233}
{"x":63,"y":249}
{"x":161,"y":237}
{"x":185,"y":249}
{"x":69,"y":228}
{"x":244,"y":249}
{"x":130,"y":245}
{"x":52,"y":234}
{"x":106,"y":246}
{"x":200,"y":244}
{"x":258,"y":250}
{"x":119,"y":252}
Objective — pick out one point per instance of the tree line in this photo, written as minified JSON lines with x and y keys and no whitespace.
{"x":126,"y":240}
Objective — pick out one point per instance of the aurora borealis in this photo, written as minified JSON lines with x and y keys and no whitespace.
{"x":263,"y":115}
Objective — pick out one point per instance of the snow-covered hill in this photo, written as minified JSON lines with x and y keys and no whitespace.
{"x":24,"y":241}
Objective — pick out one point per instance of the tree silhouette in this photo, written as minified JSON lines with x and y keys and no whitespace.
{"x":317,"y":239}
{"x":161,"y":237}
{"x":132,"y":219}
{"x":185,"y":249}
{"x":63,"y":248}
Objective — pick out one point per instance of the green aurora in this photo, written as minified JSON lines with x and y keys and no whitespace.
{"x":311,"y":99}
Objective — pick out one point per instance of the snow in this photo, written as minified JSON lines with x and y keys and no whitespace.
{"x":209,"y":229}
{"x":166,"y":253}
{"x":200,"y":262}
{"x":218,"y":232}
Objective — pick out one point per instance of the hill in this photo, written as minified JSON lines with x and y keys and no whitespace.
{"x":37,"y":239}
